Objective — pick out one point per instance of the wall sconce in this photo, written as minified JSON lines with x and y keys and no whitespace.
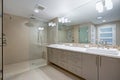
{"x":63,"y":20}
{"x":51,"y":24}
{"x":41,"y":28}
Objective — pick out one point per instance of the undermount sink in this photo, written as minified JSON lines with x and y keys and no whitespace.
{"x":95,"y":50}
{"x":103,"y":50}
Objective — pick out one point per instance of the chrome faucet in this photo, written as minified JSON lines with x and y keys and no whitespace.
{"x":102,"y":43}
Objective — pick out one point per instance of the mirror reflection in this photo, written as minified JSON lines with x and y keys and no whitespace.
{"x":93,"y":22}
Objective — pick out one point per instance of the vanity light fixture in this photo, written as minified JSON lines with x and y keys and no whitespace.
{"x":63,"y":20}
{"x":99,"y":6}
{"x":108,"y":4}
{"x":40,"y":28}
{"x":104,"y":4}
{"x":51,"y":24}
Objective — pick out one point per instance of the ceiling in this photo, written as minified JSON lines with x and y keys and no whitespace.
{"x":88,"y":13}
{"x":79,"y":11}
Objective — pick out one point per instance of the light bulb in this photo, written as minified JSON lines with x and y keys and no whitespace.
{"x":52,"y":25}
{"x":108,"y":4}
{"x":99,"y":6}
{"x":36,"y":10}
{"x":59,"y":20}
{"x":40,"y":28}
{"x":63,"y":20}
{"x":49,"y":24}
{"x":66,"y":20}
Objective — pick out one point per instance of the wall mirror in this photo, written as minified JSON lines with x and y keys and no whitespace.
{"x":95,"y":22}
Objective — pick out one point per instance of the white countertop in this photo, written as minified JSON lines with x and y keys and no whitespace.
{"x":114,"y":53}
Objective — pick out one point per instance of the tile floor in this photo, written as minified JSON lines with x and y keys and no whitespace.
{"x":48,"y":72}
{"x":17,"y":68}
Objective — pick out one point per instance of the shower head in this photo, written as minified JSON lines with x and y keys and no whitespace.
{"x":29,"y":24}
{"x":32,"y":22}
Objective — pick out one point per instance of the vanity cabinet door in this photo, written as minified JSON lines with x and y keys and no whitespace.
{"x":109,"y":68}
{"x":50,"y":57}
{"x":89,"y":67}
{"x":53,"y":55}
{"x":62,"y":59}
{"x":56,"y":56}
{"x":74,"y":63}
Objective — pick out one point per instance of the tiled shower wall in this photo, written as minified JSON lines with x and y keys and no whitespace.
{"x":22,"y":41}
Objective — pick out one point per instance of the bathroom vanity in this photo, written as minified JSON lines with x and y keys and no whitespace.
{"x":86,"y":62}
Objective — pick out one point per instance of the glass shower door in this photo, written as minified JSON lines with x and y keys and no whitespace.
{"x":37,"y":46}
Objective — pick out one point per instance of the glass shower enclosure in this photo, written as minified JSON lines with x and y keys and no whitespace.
{"x":37,"y":45}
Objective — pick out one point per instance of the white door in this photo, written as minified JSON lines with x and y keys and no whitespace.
{"x":109,"y":69}
{"x":89,"y":67}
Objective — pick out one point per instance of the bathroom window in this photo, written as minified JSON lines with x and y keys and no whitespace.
{"x":107,"y":33}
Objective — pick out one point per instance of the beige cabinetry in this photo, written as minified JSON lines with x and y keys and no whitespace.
{"x":74,"y":62}
{"x":100,"y":68}
{"x":71,"y":61}
{"x":87,"y":66}
{"x":109,"y":68}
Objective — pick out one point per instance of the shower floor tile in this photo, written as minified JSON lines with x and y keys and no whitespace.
{"x":17,"y":68}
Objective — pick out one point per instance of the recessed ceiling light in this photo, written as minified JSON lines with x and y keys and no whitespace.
{"x":104,"y":21}
{"x":36,"y":10}
{"x":99,"y":17}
